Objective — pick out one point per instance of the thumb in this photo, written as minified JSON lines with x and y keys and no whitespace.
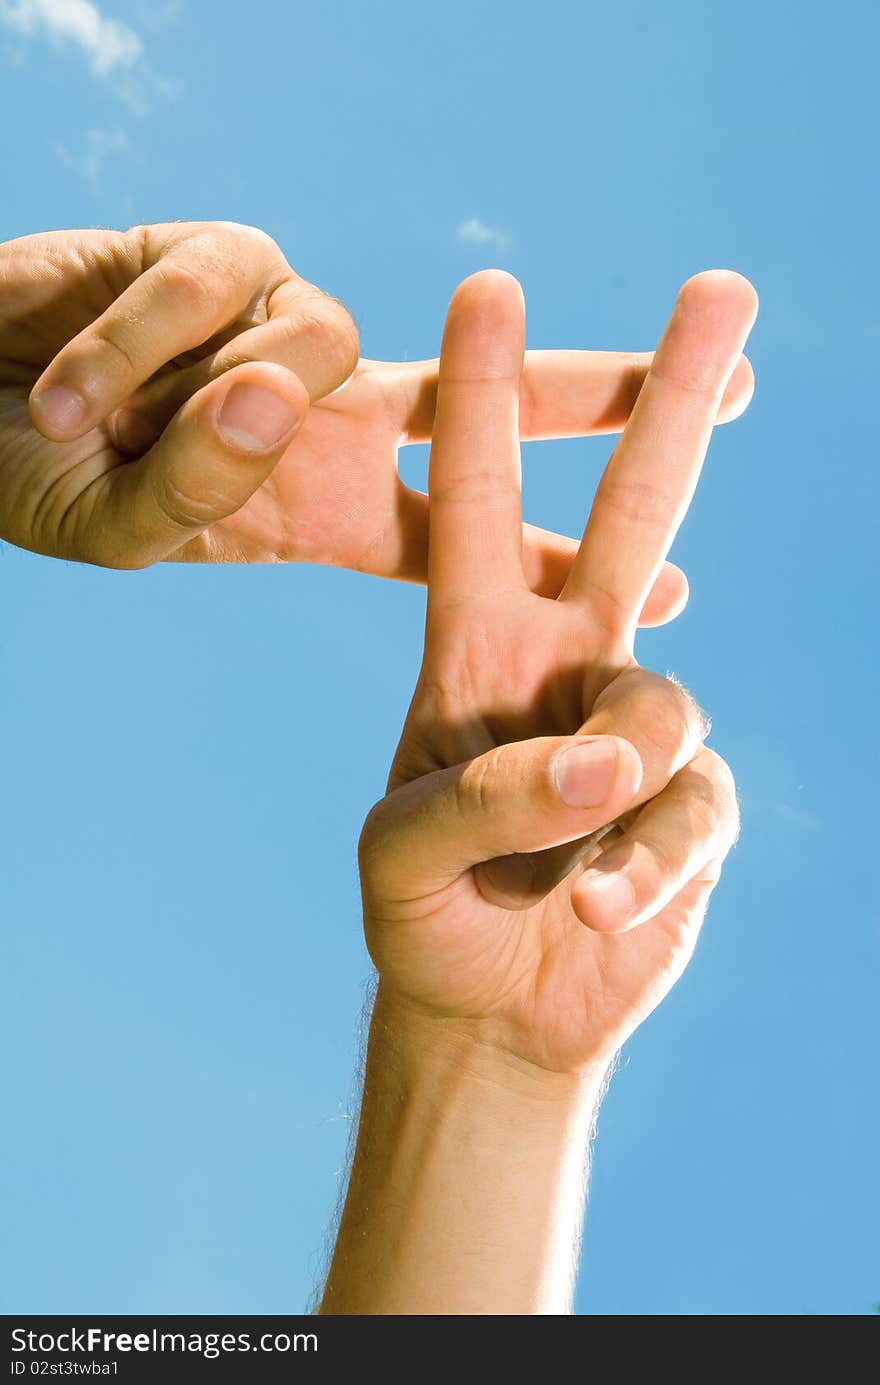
{"x":215,"y":453}
{"x":518,"y":798}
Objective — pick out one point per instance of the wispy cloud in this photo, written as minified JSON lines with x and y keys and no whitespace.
{"x":107,"y":44}
{"x":798,"y":817}
{"x":88,"y":161}
{"x":476,"y":232}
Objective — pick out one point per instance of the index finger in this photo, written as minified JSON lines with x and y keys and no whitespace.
{"x":649,"y":481}
{"x":475,"y":515}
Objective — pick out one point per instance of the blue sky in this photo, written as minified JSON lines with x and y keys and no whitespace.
{"x":188,"y":754}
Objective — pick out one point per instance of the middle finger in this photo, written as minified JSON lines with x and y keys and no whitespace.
{"x":650,"y":479}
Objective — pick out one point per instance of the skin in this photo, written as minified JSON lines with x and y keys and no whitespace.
{"x":150,"y":329}
{"x":515,"y":953}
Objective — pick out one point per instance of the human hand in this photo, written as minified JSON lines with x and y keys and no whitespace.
{"x":152,"y":328}
{"x":94,"y":322}
{"x":532,"y":726}
{"x":336,"y":496}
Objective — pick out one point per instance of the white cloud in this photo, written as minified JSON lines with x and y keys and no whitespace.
{"x":798,"y":817}
{"x":476,"y":232}
{"x":88,"y":162}
{"x":107,"y":43}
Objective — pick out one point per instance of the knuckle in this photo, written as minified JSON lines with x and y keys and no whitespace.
{"x":481,"y":487}
{"x":509,"y":776}
{"x":330,"y":330}
{"x":477,"y":789}
{"x":704,"y":815}
{"x":136,"y":240}
{"x":111,"y":341}
{"x":190,"y":287}
{"x":636,"y":503}
{"x":698,"y":719}
{"x":670,"y":718}
{"x":181,"y":507}
{"x":717,"y":767}
{"x":711,"y":797}
{"x":254,"y":236}
{"x":488,"y":782}
{"x":666,"y":860}
{"x":694,"y":383}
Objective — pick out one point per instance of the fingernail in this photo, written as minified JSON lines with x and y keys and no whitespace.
{"x":254,"y":419}
{"x":585,"y":773}
{"x":61,"y":408}
{"x":614,"y":889}
{"x":133,"y":433}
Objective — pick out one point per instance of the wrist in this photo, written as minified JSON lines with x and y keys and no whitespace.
{"x":468,"y":1061}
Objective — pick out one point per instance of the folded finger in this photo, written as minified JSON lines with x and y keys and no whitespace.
{"x":692,"y":822}
{"x":196,"y":287}
{"x":307,"y":332}
{"x":547,"y":560}
{"x":664,"y":726}
{"x":208,"y":462}
{"x":516,"y":798}
{"x":563,"y":394}
{"x":658,"y":717}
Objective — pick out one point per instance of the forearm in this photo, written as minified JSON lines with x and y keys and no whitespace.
{"x":466,"y":1191}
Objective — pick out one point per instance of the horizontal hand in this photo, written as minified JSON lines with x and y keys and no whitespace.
{"x":121,"y":441}
{"x":87,"y":318}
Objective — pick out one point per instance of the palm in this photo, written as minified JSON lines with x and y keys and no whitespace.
{"x":556,"y":991}
{"x":335,"y":497}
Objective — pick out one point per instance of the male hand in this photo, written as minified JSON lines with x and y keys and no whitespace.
{"x":123,"y":441}
{"x":532,"y":726}
{"x":150,"y":382}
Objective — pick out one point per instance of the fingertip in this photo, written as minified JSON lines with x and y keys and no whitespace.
{"x":489,"y":284}
{"x":705,"y":335}
{"x":484,"y":336}
{"x":604,"y":901}
{"x":720,"y":287}
{"x":667,"y":598}
{"x":58,"y":413}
